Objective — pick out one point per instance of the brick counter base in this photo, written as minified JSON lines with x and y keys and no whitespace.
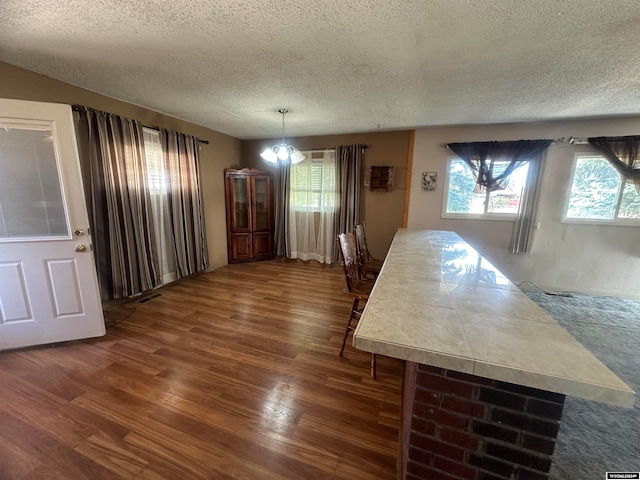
{"x":464,"y":427}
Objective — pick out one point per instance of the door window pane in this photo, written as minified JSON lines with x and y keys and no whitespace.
{"x":31,"y":203}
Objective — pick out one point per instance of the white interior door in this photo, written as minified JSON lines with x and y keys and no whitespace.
{"x":48,"y":282}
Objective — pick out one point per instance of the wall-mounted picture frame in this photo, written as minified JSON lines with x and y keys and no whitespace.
{"x":429,"y":181}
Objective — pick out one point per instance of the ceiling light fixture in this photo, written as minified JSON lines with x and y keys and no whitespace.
{"x":282,"y":152}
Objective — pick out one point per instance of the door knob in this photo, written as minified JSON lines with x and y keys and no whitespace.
{"x":80,"y":248}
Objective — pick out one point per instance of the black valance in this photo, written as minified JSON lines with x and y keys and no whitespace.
{"x":622,"y":153}
{"x":493,"y":162}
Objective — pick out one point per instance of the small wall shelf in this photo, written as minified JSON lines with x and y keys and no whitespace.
{"x":379,"y":178}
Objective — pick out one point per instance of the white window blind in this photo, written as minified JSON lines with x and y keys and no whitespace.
{"x":313,"y":181}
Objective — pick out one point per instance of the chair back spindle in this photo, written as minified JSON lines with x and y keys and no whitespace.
{"x":349,"y":259}
{"x":361,"y":243}
{"x":357,"y":285}
{"x":368,"y":264}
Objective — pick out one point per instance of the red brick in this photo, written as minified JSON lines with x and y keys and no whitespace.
{"x":428,"y":368}
{"x":445,"y":385}
{"x":544,"y":409}
{"x":422,"y":472}
{"x":437,"y":447}
{"x":413,"y":477}
{"x":525,"y":422}
{"x":488,"y":476}
{"x":539,"y":444}
{"x":465,"y":407}
{"x":441,"y":417}
{"x":427,"y":397}
{"x":423,"y":426}
{"x":492,"y":465}
{"x":459,"y":438}
{"x":420,"y":456}
{"x":459,"y":470}
{"x":524,"y":474}
{"x":492,"y":430}
{"x":518,"y":456}
{"x":470,"y":378}
{"x":531,"y":392}
{"x":512,"y":401}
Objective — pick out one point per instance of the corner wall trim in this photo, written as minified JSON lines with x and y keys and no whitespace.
{"x":407,"y":184}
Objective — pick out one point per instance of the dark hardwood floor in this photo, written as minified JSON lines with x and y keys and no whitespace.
{"x":230,"y":374}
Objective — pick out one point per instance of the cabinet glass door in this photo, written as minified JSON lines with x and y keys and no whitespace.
{"x":261,"y":205}
{"x":240,"y":203}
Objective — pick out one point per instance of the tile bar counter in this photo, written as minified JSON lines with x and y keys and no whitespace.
{"x":486,"y":370}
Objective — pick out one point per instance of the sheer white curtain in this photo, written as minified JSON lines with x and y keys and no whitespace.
{"x":312,"y":207}
{"x":158,"y":189}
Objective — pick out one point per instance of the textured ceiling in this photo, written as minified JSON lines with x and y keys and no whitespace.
{"x":339,"y":66}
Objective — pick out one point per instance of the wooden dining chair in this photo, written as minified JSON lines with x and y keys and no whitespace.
{"x":357,"y":287}
{"x":369,"y":265}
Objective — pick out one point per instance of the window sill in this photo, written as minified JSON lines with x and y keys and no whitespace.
{"x":312,"y":210}
{"x":601,"y":223}
{"x":473,"y":216}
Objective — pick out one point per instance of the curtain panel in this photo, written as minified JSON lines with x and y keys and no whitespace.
{"x":115,"y":178}
{"x":493,"y":162}
{"x":521,"y":237}
{"x":622,"y":153}
{"x":186,"y":211}
{"x":348,"y":184}
{"x":281,"y":209}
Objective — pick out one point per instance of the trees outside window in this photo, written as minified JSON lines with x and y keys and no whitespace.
{"x":461,"y":199}
{"x":598,"y":193}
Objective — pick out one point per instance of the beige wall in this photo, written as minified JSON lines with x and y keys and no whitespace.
{"x":598,"y":259}
{"x":587,"y":258}
{"x":382,"y":212}
{"x":221,"y":152}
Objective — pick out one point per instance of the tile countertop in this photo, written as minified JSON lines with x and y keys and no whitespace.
{"x":439,"y":302}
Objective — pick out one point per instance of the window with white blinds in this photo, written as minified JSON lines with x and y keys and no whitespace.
{"x":155,"y":162}
{"x":313,"y":181}
{"x":31,"y":202}
{"x":159,"y":191}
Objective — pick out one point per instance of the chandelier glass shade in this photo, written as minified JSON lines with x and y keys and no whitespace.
{"x":282,"y":152}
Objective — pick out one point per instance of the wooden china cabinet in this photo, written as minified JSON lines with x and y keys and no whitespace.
{"x":249,"y":200}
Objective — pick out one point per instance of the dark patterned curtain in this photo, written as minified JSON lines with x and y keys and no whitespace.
{"x":116,"y":188}
{"x":622,"y":153}
{"x":493,"y":162}
{"x":282,"y":189}
{"x":186,"y":212}
{"x":348,"y":182}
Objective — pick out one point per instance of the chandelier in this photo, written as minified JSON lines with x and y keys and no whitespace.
{"x":282,"y":151}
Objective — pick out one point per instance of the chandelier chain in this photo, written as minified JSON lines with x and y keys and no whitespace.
{"x":283,"y":111}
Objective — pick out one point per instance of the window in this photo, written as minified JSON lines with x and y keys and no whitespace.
{"x":460,"y":199}
{"x":312,"y":207}
{"x":155,"y":162}
{"x":159,"y":190}
{"x":313,"y":181}
{"x":598,"y":193}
